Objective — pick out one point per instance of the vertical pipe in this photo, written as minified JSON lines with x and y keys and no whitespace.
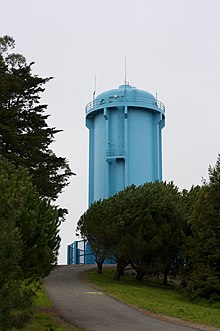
{"x":68,"y":254}
{"x":76,"y":253}
{"x":90,"y":125}
{"x":126,"y":154}
{"x":107,"y":193}
{"x":156,"y":149}
{"x":84,"y":250}
{"x":161,"y":125}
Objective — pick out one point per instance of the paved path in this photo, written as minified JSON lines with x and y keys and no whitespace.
{"x":80,"y":304}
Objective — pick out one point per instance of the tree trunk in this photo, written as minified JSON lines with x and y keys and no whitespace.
{"x":140,"y":275}
{"x":118,"y":272}
{"x":121,"y":265}
{"x":140,"y":272}
{"x":165,"y":275}
{"x":99,"y":266}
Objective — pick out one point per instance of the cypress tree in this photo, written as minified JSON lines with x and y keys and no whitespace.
{"x":25,"y":136}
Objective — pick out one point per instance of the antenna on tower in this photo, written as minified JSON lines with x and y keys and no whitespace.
{"x":94,"y":92}
{"x":125,"y":71}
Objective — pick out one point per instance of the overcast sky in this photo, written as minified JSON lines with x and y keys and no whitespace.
{"x":172,"y":48}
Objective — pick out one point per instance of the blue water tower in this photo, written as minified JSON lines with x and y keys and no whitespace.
{"x":125,"y":143}
{"x":125,"y":148}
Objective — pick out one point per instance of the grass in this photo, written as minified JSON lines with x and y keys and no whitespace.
{"x":157,"y":299}
{"x":44,"y":316}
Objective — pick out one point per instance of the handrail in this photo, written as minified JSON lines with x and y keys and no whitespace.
{"x":147,"y":102}
{"x":112,"y":152}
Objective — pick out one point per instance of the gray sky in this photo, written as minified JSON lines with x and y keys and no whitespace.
{"x":172,"y":48}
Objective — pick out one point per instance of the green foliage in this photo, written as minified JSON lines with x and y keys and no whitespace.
{"x":44,"y":317}
{"x":157,"y":298}
{"x":15,"y":297}
{"x":29,"y":243}
{"x":97,"y":237}
{"x":203,"y":253}
{"x":140,"y":225}
{"x":31,"y":177}
{"x":25,"y":136}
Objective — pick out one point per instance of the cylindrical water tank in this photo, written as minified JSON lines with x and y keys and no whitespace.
{"x":125,"y":145}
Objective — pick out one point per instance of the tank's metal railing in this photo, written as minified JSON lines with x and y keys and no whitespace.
{"x":115,"y":152}
{"x":147,"y":102}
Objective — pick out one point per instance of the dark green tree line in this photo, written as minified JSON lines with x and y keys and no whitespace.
{"x":29,"y":243}
{"x":31,"y":177}
{"x":203,"y":244}
{"x":141,"y":226}
{"x":159,"y":230}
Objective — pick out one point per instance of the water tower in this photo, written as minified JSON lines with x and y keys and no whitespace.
{"x":125,"y":145}
{"x":125,"y":148}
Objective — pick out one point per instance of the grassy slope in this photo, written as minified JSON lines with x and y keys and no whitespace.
{"x":44,"y":317}
{"x":157,"y":299}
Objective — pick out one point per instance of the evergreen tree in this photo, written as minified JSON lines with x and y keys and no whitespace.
{"x":162,"y":222}
{"x":203,"y":278}
{"x":29,"y":243}
{"x":141,"y":226}
{"x":25,"y":136}
{"x":93,"y":226}
{"x":31,"y":175}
